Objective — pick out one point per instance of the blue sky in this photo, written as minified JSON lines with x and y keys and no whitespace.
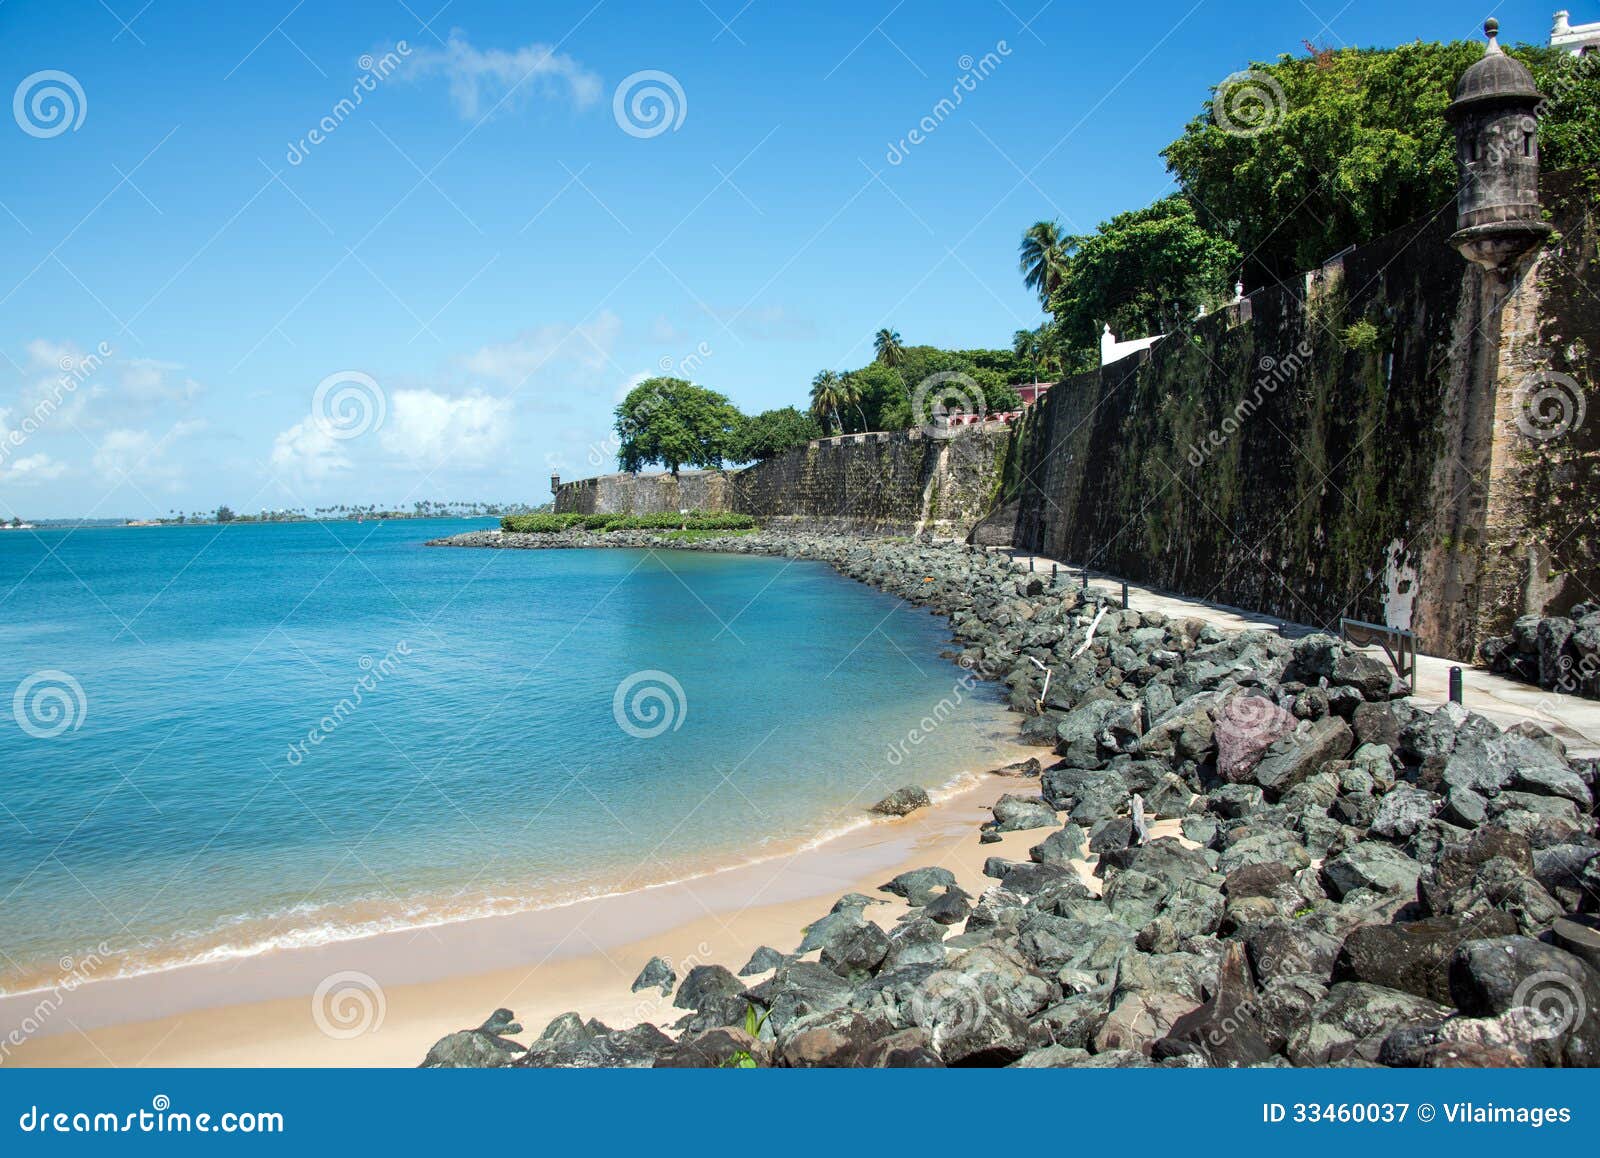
{"x":480,"y":247}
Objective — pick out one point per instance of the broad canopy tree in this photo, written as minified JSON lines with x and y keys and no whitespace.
{"x":675,"y":423}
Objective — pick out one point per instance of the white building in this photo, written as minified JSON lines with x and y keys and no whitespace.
{"x":1578,"y":39}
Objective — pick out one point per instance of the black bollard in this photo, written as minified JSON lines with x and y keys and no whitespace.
{"x":1086,"y":578}
{"x":1455,"y":685}
{"x":1124,"y":594}
{"x":1052,"y":575}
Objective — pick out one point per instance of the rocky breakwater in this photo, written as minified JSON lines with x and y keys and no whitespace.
{"x":1249,"y":854}
{"x":1560,"y":653}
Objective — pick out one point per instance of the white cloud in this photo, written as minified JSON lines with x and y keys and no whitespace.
{"x":32,"y":470}
{"x":307,"y":451}
{"x":481,"y":79}
{"x":139,"y":457}
{"x":149,"y":381}
{"x":433,"y":429}
{"x":544,"y":347}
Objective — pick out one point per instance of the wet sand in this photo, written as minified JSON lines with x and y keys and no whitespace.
{"x":387,"y":998}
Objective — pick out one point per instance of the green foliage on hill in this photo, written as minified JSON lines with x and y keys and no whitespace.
{"x":1286,"y":164}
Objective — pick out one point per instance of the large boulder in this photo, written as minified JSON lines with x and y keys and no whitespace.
{"x":1224,"y":1031}
{"x":1015,"y":813}
{"x":1557,"y":994}
{"x":1380,"y":868}
{"x":902,"y":801}
{"x":919,"y":886}
{"x":1246,"y":727}
{"x":657,"y":973}
{"x":1414,"y":956}
{"x":1302,"y":753}
{"x":1351,"y":1022}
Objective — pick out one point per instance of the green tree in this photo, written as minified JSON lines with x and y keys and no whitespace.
{"x":770,"y":433}
{"x":887,"y":344}
{"x":879,"y":391}
{"x":1042,"y":256}
{"x":1145,"y":272}
{"x":675,"y":423}
{"x":828,"y":396}
{"x":224,"y":515}
{"x":1348,"y":145}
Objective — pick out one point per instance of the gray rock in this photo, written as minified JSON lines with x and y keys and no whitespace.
{"x":902,"y":801}
{"x":1370,"y":865}
{"x":1415,"y":956}
{"x":657,"y":973}
{"x":1302,"y":753}
{"x":919,"y":886}
{"x":1403,"y":811}
{"x":1352,"y":1021}
{"x":1016,"y":813}
{"x":1061,"y":847}
{"x":762,"y":960}
{"x":705,"y":984}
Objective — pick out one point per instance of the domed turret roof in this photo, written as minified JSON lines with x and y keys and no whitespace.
{"x":1495,"y":77}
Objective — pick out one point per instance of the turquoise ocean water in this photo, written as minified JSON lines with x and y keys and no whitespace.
{"x":221,"y":741}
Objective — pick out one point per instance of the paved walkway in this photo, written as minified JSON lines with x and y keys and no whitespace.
{"x":1575,"y":719}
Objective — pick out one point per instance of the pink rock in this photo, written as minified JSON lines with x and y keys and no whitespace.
{"x":1246,"y":727}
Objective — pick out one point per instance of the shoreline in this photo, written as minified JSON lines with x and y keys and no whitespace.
{"x":540,"y":963}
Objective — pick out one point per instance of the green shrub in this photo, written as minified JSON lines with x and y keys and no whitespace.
{"x":542,"y":524}
{"x":547,"y":524}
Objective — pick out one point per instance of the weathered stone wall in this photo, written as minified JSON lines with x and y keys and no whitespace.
{"x":645,"y":494}
{"x":884,"y":483}
{"x":1349,"y":446}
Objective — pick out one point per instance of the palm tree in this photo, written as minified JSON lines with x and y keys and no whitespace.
{"x":1025,"y":345}
{"x":850,"y":393}
{"x":890,"y":352}
{"x":1042,"y":257}
{"x":828,"y":393}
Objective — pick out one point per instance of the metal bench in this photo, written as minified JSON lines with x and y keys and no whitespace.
{"x":1399,"y":645}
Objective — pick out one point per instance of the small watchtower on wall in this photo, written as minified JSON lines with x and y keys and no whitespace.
{"x":1496,"y":118}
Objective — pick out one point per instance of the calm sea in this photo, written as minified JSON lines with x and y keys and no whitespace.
{"x":220,"y":741}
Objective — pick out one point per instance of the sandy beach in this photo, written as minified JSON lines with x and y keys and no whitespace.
{"x":416,"y":986}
